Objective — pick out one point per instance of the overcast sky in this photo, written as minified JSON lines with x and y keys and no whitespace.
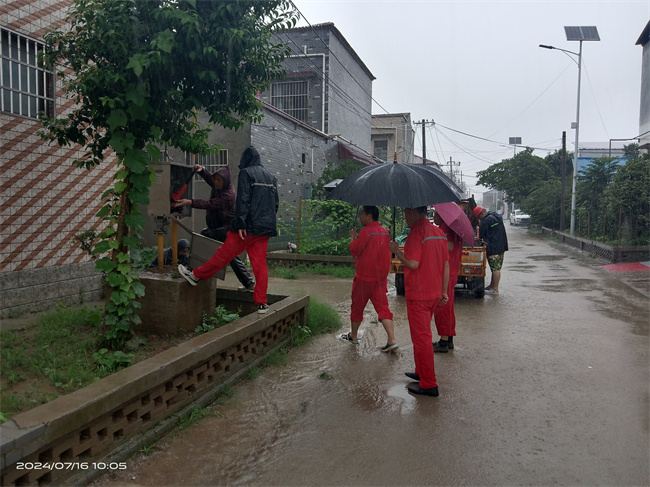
{"x":476,"y":67}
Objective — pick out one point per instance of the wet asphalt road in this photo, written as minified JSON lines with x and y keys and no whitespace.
{"x":548,"y":384}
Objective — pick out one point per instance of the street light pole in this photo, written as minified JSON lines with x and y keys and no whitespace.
{"x":575,"y":152}
{"x":589,"y":33}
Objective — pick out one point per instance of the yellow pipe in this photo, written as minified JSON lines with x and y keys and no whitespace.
{"x":161,"y":256}
{"x":174,"y":243}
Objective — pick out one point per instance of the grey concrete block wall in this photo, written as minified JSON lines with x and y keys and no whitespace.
{"x":348,"y":82}
{"x":281,"y":144}
{"x":35,"y":290}
{"x":349,"y":96}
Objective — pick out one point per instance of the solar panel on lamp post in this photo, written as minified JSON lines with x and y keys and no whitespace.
{"x":586,"y":33}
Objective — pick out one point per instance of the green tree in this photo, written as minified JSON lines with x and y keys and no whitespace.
{"x":334,"y":170}
{"x":543,"y":204}
{"x":629,"y":193}
{"x":593,"y":180}
{"x":137,"y":70}
{"x":517,"y":177}
{"x":631,"y":151}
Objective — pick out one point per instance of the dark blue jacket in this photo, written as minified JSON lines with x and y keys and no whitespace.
{"x":257,"y":196}
{"x":494,"y":234}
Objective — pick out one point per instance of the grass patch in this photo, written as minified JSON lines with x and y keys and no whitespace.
{"x":277,"y":357}
{"x":49,"y":360}
{"x":342,"y":272}
{"x":61,"y":354}
{"x":285,"y":273}
{"x":198,"y":412}
{"x":297,"y":271}
{"x":323,"y":318}
{"x":253,"y":373}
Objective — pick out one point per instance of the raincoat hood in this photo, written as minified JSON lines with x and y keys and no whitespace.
{"x":250,"y":157}
{"x":183,"y":244}
{"x":224,"y":172}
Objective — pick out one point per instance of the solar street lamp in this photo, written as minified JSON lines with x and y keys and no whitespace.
{"x":588,"y":33}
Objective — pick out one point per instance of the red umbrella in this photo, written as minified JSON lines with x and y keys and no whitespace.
{"x":456,"y":220}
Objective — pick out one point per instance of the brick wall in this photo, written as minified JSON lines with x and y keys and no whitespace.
{"x":44,"y":200}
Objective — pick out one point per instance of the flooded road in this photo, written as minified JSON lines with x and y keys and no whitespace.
{"x":548,"y":384}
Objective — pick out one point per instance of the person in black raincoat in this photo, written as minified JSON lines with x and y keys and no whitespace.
{"x":256,"y":207}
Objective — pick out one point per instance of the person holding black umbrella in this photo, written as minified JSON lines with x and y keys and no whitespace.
{"x":370,"y":249}
{"x":426,"y":276}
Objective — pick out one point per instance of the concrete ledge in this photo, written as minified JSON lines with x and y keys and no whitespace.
{"x":613,"y":254}
{"x":90,"y":424}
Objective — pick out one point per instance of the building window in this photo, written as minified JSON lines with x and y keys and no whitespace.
{"x":381,"y":149}
{"x":211,"y":162}
{"x":291,"y":98}
{"x":27,"y":87}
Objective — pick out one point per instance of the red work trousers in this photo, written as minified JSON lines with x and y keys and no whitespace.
{"x":256,"y":246}
{"x":375,"y":291}
{"x":419,"y":313}
{"x":445,"y":316}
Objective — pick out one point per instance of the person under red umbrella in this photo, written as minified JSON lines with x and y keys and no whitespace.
{"x":445,"y":315}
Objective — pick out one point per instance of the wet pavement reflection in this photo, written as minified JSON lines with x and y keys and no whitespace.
{"x":547,"y":384}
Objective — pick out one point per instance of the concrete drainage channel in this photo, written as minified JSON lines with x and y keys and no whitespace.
{"x":78,"y":436}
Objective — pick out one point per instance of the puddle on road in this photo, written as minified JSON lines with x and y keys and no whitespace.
{"x":546,"y":258}
{"x":566,"y":285}
{"x":521,"y":268}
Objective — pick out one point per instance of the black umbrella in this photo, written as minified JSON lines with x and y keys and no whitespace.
{"x":397,"y":185}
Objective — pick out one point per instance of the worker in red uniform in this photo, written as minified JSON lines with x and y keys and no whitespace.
{"x":426,"y":276}
{"x":445,"y":316}
{"x":370,"y":248}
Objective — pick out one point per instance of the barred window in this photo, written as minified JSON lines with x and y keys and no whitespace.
{"x":27,"y":87}
{"x":291,"y":97}
{"x":211,"y":162}
{"x":381,"y":149}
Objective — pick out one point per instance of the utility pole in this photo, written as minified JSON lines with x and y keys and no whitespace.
{"x":424,"y":144}
{"x":563,"y":170}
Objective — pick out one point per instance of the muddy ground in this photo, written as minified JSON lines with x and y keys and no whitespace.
{"x":547,"y":385}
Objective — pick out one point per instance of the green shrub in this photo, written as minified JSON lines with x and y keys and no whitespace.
{"x":327,"y":247}
{"x":323,"y":318}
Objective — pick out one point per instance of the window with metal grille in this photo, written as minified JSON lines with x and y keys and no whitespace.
{"x":381,"y":149}
{"x":27,"y":87}
{"x":211,"y":162}
{"x":291,"y":97}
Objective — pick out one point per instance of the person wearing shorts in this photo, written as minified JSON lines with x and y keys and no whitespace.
{"x":493,"y":232}
{"x":370,"y":248}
